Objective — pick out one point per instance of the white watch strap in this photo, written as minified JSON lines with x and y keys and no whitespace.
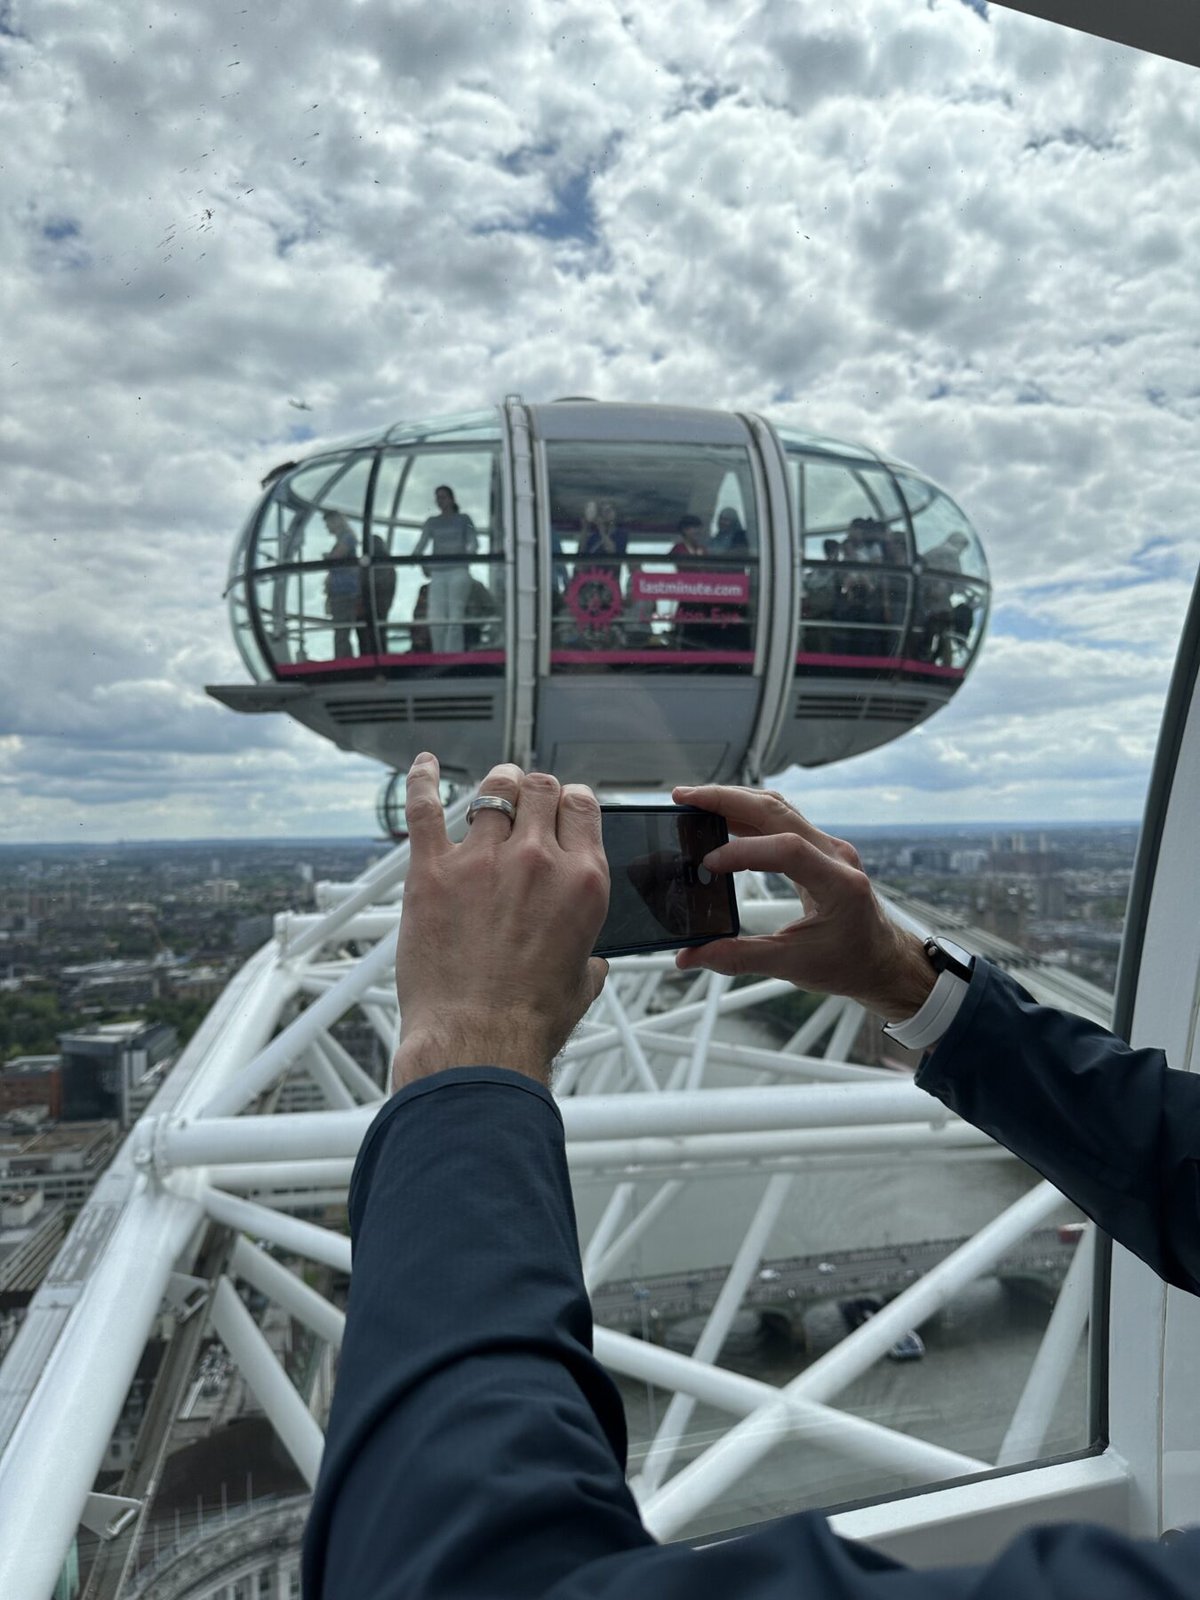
{"x":928,"y":1025}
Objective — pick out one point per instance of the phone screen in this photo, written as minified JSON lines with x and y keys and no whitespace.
{"x":661,"y":898}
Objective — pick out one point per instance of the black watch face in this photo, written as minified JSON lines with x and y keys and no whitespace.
{"x":950,"y":957}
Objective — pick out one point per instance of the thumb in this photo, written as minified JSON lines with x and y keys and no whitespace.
{"x":733,"y":958}
{"x":597,"y":975}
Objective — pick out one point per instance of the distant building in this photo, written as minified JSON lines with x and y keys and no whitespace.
{"x":1050,"y":896}
{"x":115,"y":983}
{"x":199,"y":983}
{"x":105,"y":1067}
{"x":31,"y":1081}
{"x":61,"y":1162}
{"x":969,"y":862}
{"x":31,"y":1231}
{"x":924,"y":858}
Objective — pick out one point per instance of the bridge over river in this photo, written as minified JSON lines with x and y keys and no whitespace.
{"x":782,"y":1290}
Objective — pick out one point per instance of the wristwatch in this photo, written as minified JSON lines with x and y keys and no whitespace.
{"x":953,"y":966}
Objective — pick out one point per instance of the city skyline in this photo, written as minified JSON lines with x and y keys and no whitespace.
{"x":958,"y":233}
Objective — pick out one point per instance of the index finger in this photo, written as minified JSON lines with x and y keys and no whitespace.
{"x":423,"y":807}
{"x":748,"y":811}
{"x":802,"y":860}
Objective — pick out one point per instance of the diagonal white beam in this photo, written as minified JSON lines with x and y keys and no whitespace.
{"x":367,"y":889}
{"x":330,"y":1084}
{"x":268,"y":1382}
{"x":633,"y":1049}
{"x":290,"y":1233}
{"x":600,"y":1269}
{"x":816,"y":1026}
{"x":304,"y":1199}
{"x":678,"y":1413}
{"x":606,"y":1227}
{"x":692,"y":1076}
{"x":732,"y":1392}
{"x":844,"y":1034}
{"x":284,"y":1049}
{"x":688,"y":1012}
{"x":721,"y":1466}
{"x":287,"y":1290}
{"x":1035,"y":1408}
{"x":265,"y":1176}
{"x":360,"y":1083}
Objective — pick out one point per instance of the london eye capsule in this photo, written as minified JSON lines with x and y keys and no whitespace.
{"x":390,"y":802}
{"x":627,"y":595}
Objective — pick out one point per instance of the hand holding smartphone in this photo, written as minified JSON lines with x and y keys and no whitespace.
{"x":661,"y":897}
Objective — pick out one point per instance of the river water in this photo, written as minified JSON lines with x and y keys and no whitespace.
{"x":979,"y":1349}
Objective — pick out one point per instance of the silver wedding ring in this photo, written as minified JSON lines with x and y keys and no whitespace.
{"x":491,"y":802}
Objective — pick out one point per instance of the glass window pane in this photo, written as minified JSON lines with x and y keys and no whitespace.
{"x":654,"y":557}
{"x":422,"y":587}
{"x":945,"y":539}
{"x":348,"y":491}
{"x":468,"y":473}
{"x":841,"y":500}
{"x":306,"y":486}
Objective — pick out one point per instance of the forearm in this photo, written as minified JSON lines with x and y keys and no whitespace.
{"x":475,"y":1445}
{"x":1114,"y":1128}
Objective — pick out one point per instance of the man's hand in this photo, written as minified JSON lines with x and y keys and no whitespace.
{"x":845,"y":943}
{"x":492,"y":965}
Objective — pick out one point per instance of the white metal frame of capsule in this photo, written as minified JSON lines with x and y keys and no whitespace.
{"x":638,"y":1102}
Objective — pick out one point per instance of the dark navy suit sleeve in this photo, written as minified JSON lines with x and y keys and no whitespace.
{"x":476,"y":1449}
{"x":1114,"y":1128}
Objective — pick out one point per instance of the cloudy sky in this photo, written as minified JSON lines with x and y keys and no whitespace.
{"x":950,"y":230}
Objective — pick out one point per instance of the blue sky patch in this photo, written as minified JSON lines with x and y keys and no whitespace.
{"x":573,"y":214}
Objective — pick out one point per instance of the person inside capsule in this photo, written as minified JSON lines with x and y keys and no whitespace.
{"x":693,"y":625}
{"x":601,"y":537}
{"x":947,"y":604}
{"x":476,"y":1447}
{"x":731,"y":538}
{"x":448,"y":535}
{"x":342,"y":591}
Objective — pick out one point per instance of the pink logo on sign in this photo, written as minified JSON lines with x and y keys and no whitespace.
{"x":731,"y":587}
{"x":594,"y":598}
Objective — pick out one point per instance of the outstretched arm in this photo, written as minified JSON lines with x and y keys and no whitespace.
{"x":1115,"y":1129}
{"x":1112,"y":1127}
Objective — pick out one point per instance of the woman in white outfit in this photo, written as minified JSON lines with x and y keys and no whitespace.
{"x":450,"y":533}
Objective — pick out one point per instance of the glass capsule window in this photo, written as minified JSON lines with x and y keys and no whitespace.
{"x":856,"y":591}
{"x":951,"y":595}
{"x":653,"y":557}
{"x":894,"y":580}
{"x":382,"y":560}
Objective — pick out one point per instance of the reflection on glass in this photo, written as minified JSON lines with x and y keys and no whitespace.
{"x":945,"y":539}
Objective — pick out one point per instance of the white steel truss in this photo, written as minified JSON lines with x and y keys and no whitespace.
{"x":655,"y":1097}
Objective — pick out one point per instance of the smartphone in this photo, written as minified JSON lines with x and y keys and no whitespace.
{"x":661,"y":897}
